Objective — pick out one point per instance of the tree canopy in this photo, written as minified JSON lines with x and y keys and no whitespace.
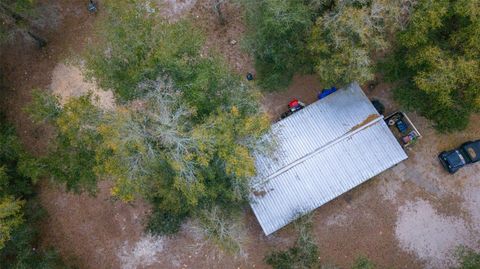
{"x":20,"y":212}
{"x":339,"y":40}
{"x":348,"y":35}
{"x":438,"y":59}
{"x":278,"y":30}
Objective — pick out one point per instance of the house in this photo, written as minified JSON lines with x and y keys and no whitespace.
{"x":321,"y":152}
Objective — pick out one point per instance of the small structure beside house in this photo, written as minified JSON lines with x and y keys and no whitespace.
{"x":321,"y":152}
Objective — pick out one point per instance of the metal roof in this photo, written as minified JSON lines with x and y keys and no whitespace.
{"x":321,"y":151}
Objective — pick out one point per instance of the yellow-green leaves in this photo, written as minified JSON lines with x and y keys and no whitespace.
{"x":233,"y":135}
{"x":428,"y":16}
{"x":440,"y":51}
{"x":156,"y":128}
{"x":344,"y":40}
{"x":11,"y":216}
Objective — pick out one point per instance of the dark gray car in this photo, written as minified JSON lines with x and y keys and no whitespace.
{"x":467,"y":153}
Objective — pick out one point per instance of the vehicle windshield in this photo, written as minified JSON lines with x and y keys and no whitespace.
{"x":455,"y":159}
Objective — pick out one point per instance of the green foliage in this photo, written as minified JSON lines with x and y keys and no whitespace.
{"x":363,"y":263}
{"x":445,"y":118}
{"x":21,"y":251}
{"x":15,"y":165}
{"x":11,"y":216}
{"x":348,"y":34}
{"x":339,"y":39}
{"x":277,"y":35}
{"x":161,"y":152}
{"x":71,"y":159}
{"x":44,"y":107}
{"x":138,"y":46}
{"x":467,"y":258}
{"x":163,"y":222}
{"x":155,"y":147}
{"x":20,"y":5}
{"x":182,"y":135}
{"x":182,"y":141}
{"x":440,"y":52}
{"x":72,"y":153}
{"x":303,"y":255}
{"x":19,"y":211}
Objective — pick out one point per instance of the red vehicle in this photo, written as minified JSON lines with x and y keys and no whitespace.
{"x":293,"y":106}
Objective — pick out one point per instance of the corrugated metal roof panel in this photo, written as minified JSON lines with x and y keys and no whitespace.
{"x":324,"y":150}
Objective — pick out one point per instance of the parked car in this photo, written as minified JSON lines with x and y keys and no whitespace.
{"x":467,"y":153}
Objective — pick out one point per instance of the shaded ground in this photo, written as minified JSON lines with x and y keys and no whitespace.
{"x":65,"y":25}
{"x":411,"y":216}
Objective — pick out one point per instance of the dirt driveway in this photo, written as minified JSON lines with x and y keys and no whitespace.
{"x":411,"y":216}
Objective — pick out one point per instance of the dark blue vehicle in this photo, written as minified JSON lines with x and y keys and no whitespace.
{"x":467,"y":153}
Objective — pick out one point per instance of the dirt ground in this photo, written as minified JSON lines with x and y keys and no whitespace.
{"x":411,"y":216}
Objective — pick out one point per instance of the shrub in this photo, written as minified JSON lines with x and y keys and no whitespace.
{"x":72,"y":156}
{"x":363,"y":263}
{"x":224,"y":228}
{"x":303,"y":255}
{"x":161,"y":222}
{"x":44,"y":107}
{"x":468,"y":258}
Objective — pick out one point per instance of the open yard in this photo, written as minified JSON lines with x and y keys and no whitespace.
{"x":411,"y":216}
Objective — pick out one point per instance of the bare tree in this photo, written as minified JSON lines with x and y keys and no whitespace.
{"x":226,"y":231}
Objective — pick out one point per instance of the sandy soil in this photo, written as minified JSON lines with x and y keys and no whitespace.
{"x":68,"y":81}
{"x":430,"y":235}
{"x":411,"y":216}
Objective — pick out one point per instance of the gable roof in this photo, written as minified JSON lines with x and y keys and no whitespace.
{"x":322,"y":151}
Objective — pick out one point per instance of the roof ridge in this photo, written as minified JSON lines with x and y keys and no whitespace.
{"x":369,"y":121}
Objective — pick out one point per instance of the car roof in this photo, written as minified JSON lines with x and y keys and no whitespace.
{"x":473,"y":150}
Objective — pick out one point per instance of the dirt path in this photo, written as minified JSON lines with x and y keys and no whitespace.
{"x":411,"y":216}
